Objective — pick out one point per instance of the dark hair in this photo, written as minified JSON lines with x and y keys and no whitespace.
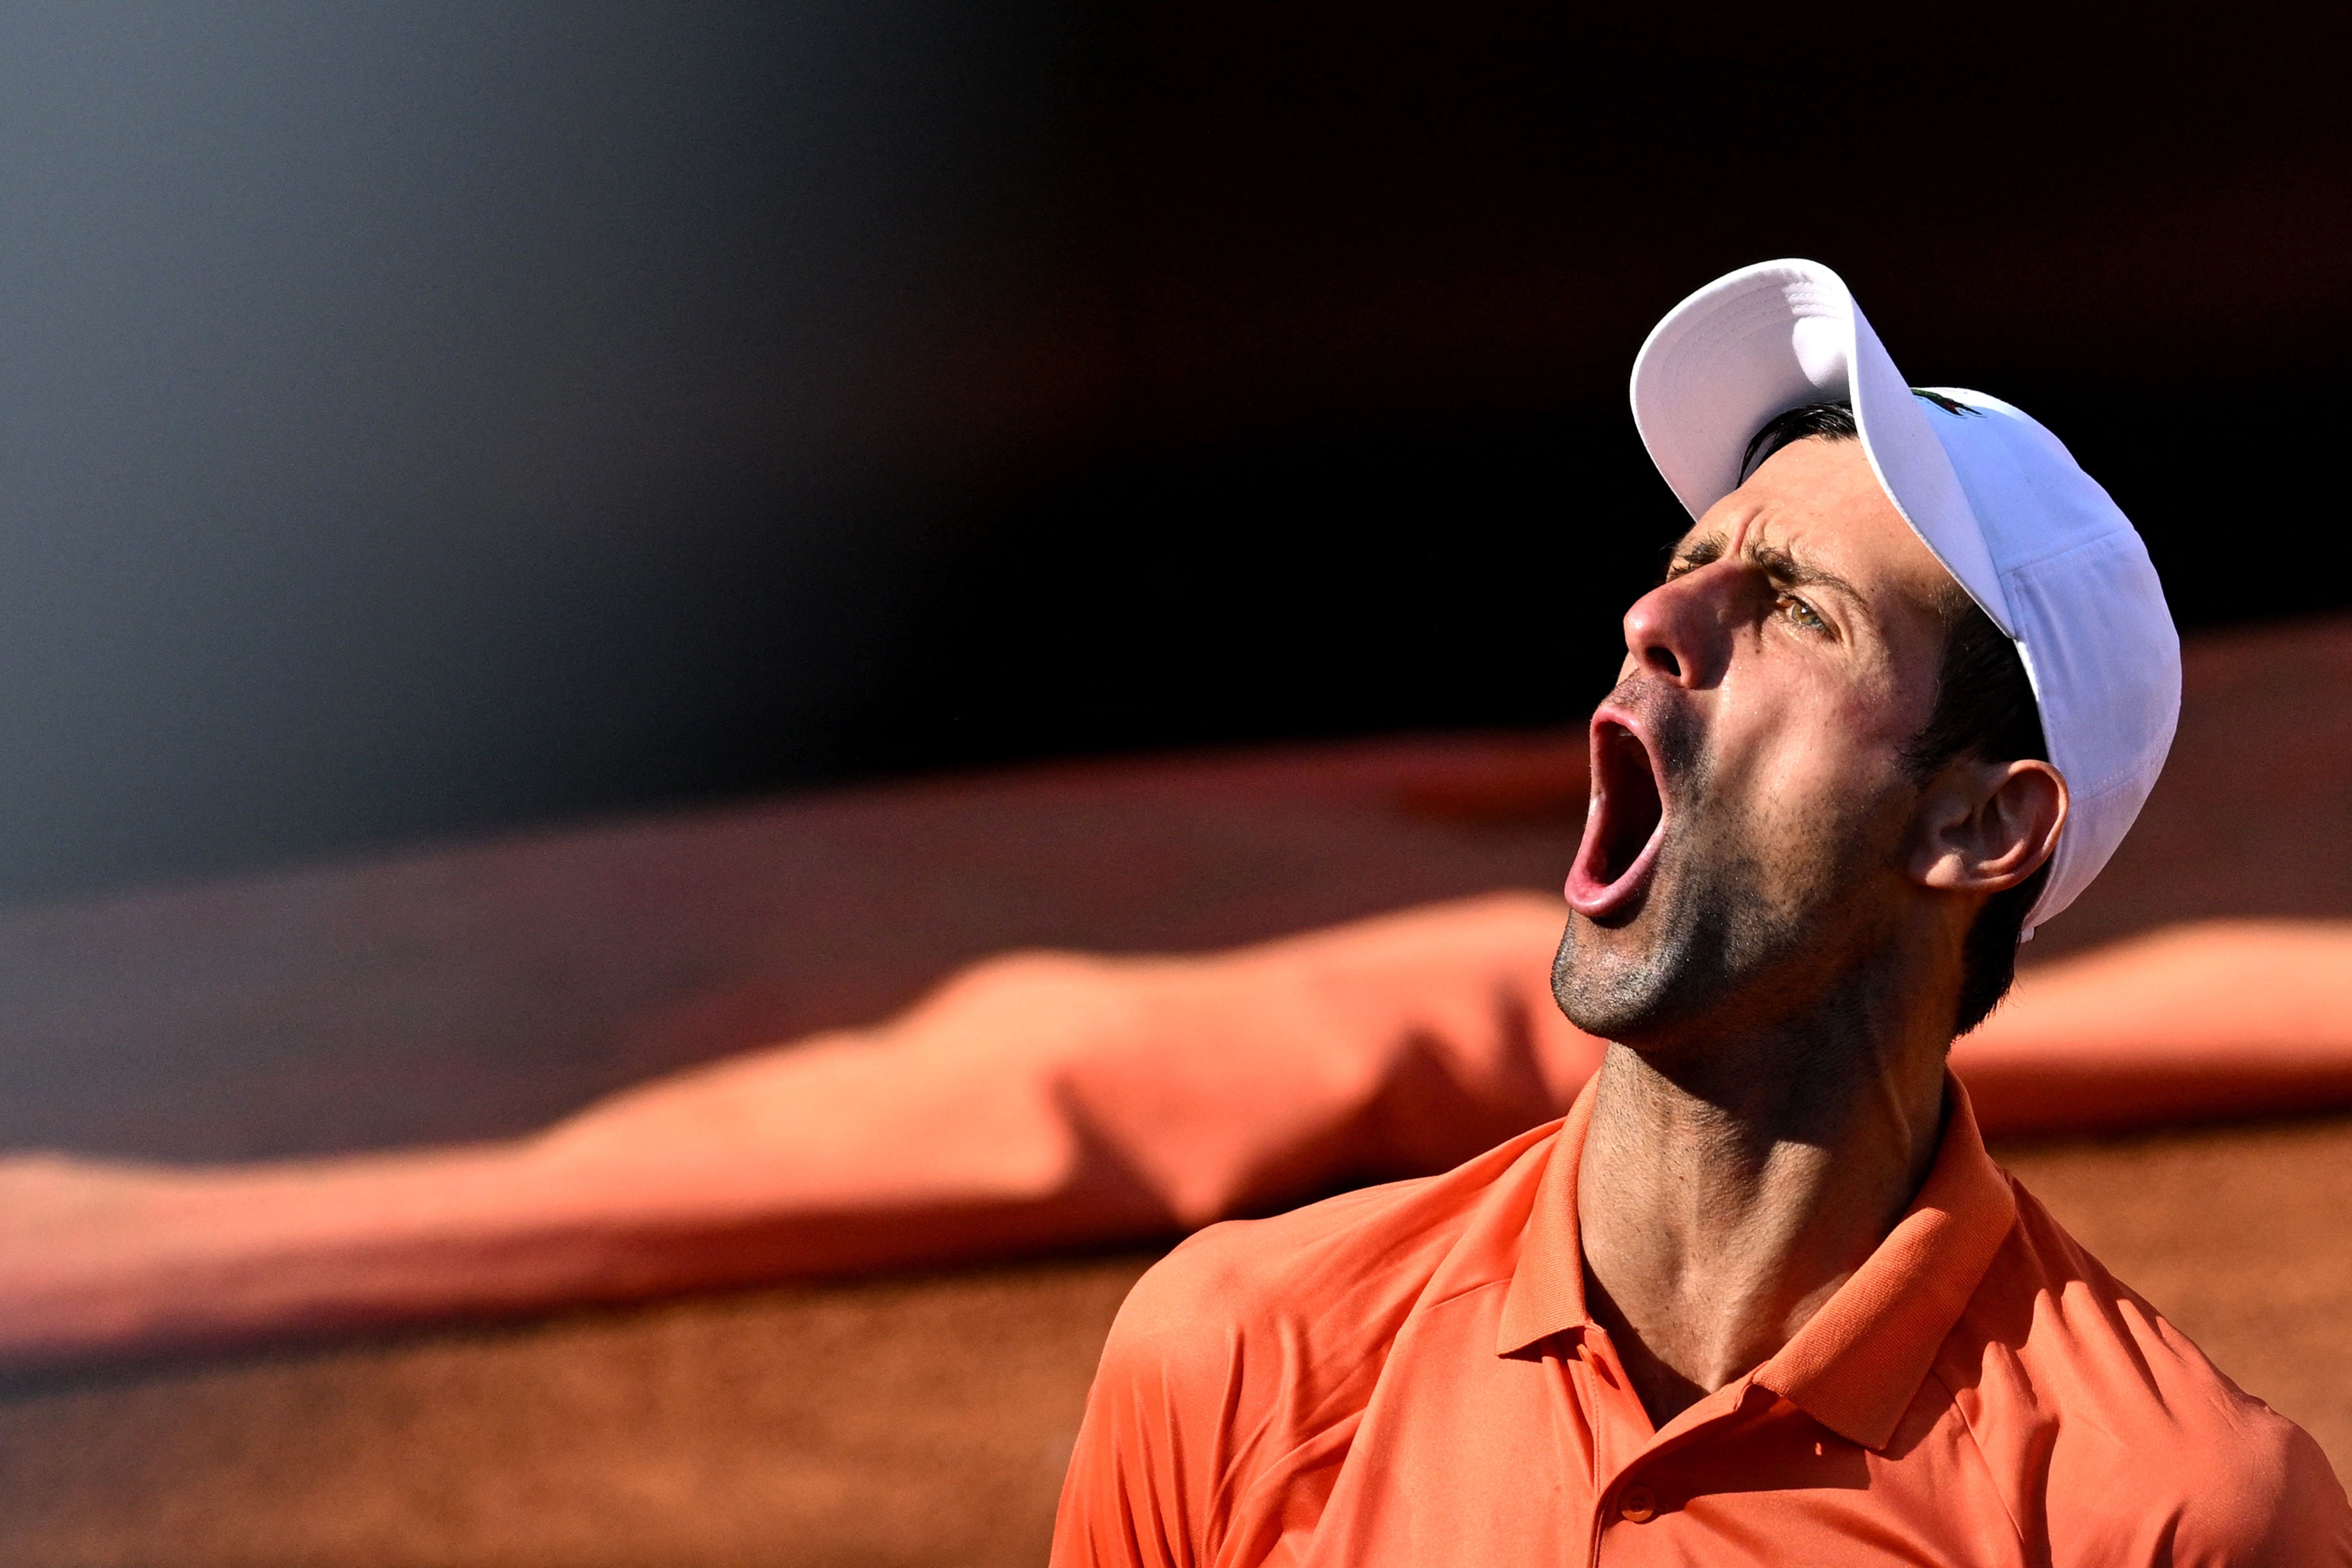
{"x":1984,"y":708}
{"x":1831,"y":421}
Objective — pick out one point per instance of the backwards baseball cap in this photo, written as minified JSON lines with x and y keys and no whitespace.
{"x":2033,"y":540}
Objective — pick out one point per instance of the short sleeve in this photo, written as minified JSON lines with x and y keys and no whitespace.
{"x":2288,"y":1507}
{"x":1149,"y":1457}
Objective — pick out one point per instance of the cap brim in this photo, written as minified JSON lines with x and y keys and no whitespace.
{"x":1757,"y":343}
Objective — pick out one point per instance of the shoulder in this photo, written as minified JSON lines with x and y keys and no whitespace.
{"x":1296,"y":1312}
{"x":2116,"y":1433}
{"x":1347,"y":1270}
{"x":1239,"y":1365}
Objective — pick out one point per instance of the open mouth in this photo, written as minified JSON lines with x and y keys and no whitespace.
{"x":1623,"y":825}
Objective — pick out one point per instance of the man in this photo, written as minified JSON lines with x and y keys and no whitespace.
{"x":1760,"y":1296}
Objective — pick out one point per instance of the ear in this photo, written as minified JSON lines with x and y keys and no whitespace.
{"x":1984,"y":827}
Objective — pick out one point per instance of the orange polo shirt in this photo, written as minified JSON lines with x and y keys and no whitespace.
{"x":1407,"y":1375}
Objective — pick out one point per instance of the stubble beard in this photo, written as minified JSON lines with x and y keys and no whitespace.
{"x":1717,"y":927}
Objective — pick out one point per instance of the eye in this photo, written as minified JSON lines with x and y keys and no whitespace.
{"x":1801,"y":614}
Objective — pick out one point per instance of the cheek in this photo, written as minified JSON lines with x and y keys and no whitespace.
{"x":1814,"y":757}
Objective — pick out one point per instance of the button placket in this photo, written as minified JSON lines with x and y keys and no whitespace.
{"x":1636,"y":1502}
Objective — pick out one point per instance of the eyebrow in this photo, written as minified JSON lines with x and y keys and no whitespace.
{"x":1774,"y":562}
{"x":1698,"y":553}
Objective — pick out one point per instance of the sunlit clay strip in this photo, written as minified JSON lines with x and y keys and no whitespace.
{"x":1625,"y":824}
{"x":1045,"y":1100}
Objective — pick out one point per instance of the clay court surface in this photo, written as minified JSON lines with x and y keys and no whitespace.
{"x":477,"y":992}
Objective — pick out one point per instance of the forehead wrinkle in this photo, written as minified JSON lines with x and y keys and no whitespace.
{"x":1783,"y":564}
{"x":1714,"y":537}
{"x":1742,"y":525}
{"x":1748,"y":534}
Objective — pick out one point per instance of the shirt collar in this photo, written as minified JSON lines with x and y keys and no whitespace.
{"x":1547,"y":1294}
{"x":1856,"y":1363}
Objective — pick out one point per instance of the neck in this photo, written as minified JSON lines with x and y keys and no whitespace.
{"x":1728,"y":1189}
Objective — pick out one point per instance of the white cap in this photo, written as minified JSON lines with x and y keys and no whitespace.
{"x":2033,"y":538}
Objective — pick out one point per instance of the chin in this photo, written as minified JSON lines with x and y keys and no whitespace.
{"x":1704,"y":947}
{"x":1630,"y":973}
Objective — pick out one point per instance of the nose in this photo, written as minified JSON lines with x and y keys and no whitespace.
{"x":1678,"y":630}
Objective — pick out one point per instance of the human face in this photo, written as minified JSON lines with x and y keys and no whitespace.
{"x":1751,"y":811}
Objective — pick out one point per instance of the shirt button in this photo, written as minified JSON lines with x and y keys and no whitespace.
{"x":1637,"y":1505}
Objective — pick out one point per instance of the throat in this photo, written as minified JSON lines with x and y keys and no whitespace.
{"x":1713,"y":1232}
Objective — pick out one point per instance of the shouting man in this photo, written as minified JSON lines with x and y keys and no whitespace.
{"x":1760,"y":1297}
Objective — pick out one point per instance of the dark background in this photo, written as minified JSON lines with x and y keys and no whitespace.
{"x":421,"y":419}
